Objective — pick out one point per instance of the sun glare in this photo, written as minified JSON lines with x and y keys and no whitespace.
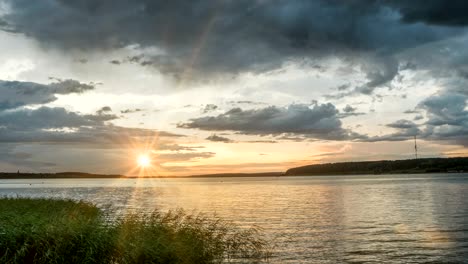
{"x":143,"y":160}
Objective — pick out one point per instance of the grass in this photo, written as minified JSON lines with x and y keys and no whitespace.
{"x":66,"y":231}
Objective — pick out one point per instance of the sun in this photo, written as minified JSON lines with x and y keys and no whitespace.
{"x":143,"y":160}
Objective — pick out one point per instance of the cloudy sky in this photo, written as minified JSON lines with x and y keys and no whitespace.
{"x":229,"y":86}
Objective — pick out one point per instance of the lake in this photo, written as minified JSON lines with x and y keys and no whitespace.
{"x":333,"y":219}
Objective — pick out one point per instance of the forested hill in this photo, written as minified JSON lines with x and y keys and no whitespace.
{"x":384,"y":166}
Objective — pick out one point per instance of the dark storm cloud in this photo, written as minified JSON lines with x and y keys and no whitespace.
{"x":378,"y":72}
{"x":349,"y":109}
{"x":16,"y":94}
{"x":446,"y":109}
{"x":246,"y":102}
{"x":402,"y":124}
{"x":103,"y":110}
{"x":43,"y":118}
{"x":61,"y":86}
{"x":447,"y":120}
{"x":446,"y":113}
{"x":213,"y":37}
{"x":208,"y":108}
{"x":57,"y":125}
{"x":405,"y":130}
{"x":216,"y":138}
{"x":447,"y":117}
{"x":130,"y":111}
{"x":436,"y":12}
{"x":103,"y":114}
{"x":319,"y":121}
{"x":343,"y":87}
{"x":411,"y":112}
{"x":6,"y":27}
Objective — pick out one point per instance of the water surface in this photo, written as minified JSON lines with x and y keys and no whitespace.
{"x":333,"y":219}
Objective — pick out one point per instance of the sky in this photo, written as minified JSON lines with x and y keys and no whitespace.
{"x":229,"y":86}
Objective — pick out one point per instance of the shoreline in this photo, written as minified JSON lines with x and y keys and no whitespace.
{"x":381,"y":167}
{"x":235,"y":176}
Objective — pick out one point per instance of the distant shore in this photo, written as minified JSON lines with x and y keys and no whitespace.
{"x":410,"y":166}
{"x":81,"y":175}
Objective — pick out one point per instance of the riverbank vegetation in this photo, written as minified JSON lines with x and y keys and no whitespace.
{"x":66,"y":231}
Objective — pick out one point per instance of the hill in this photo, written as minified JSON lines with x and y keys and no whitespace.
{"x":429,"y":165}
